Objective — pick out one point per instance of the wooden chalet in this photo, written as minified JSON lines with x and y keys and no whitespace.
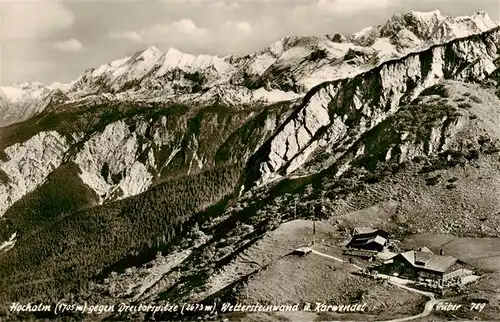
{"x":423,"y":264}
{"x":368,"y":239}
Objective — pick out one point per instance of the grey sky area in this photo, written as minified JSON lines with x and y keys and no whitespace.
{"x":54,"y":41}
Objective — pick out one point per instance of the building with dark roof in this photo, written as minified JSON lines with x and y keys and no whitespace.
{"x":369,"y":239}
{"x":424,"y":264}
{"x":363,"y":231}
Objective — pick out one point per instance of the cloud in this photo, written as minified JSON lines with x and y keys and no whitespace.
{"x":127,"y":35}
{"x":70,"y":45}
{"x":226,"y":5}
{"x":241,"y":26}
{"x":28,"y":20}
{"x":340,"y":8}
{"x":350,"y":7}
{"x":187,"y":26}
{"x":183,"y":27}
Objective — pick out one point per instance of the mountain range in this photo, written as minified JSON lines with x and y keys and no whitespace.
{"x":203,"y":158}
{"x":286,"y":70}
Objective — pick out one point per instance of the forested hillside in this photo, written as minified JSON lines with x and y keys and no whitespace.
{"x":56,"y":256}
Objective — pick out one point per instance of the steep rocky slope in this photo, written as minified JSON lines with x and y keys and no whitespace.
{"x":339,"y":111}
{"x":330,"y":114}
{"x":121,"y":150}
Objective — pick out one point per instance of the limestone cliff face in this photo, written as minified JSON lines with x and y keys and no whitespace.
{"x":109,"y":164}
{"x":334,"y":112}
{"x":124,"y":157}
{"x":453,"y":120}
{"x":24,"y":166}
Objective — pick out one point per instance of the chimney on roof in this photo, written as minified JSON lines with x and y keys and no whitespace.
{"x":441,"y":252}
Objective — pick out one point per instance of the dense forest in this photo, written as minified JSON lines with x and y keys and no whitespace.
{"x":58,"y":252}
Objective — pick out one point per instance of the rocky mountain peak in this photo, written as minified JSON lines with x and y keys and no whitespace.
{"x":421,"y":24}
{"x":337,"y":38}
{"x":427,"y":27}
{"x":150,"y":54}
{"x":278,"y":47}
{"x":324,"y":116}
{"x":153,"y":51}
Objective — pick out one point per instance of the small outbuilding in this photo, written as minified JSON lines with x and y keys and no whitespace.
{"x":302,"y":251}
{"x":369,"y":239}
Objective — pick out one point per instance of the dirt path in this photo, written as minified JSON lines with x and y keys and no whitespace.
{"x":427,"y":310}
{"x":428,"y":306}
{"x":334,"y":258}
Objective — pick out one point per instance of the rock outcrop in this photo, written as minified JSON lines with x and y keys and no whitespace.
{"x":334,"y":111}
{"x":123,"y":157}
{"x":24,"y":166}
{"x":109,"y":165}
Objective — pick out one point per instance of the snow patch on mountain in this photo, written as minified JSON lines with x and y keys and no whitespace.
{"x":175,"y":59}
{"x":28,"y":164}
{"x":15,"y":94}
{"x":22,"y":101}
{"x":18,"y":92}
{"x":385,"y":48}
{"x":260,"y":63}
{"x":273,"y":95}
{"x":135,"y":69}
{"x":234,"y":95}
{"x":61,"y":86}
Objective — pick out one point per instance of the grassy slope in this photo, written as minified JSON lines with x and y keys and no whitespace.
{"x":295,"y":279}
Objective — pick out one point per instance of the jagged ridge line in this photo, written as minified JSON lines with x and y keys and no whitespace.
{"x":341,"y":83}
{"x":361,"y":75}
{"x":407,"y":56}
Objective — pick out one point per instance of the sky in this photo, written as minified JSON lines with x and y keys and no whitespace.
{"x":56,"y":40}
